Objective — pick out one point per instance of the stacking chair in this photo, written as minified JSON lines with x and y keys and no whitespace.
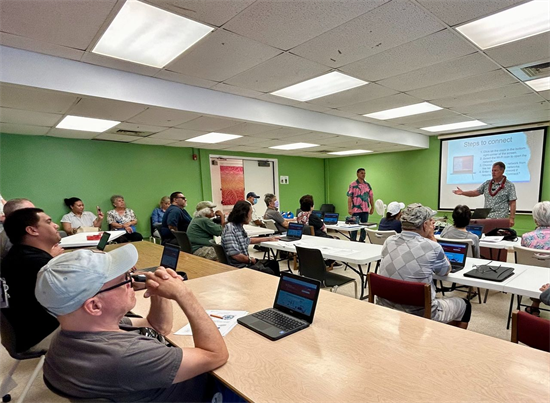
{"x":220,"y":252}
{"x":379,"y":237}
{"x":532,"y":257}
{"x":400,"y":292}
{"x":183,"y":241}
{"x":72,"y":398}
{"x":312,"y":265}
{"x":154,"y":227}
{"x":328,"y":208}
{"x":531,"y":330}
{"x":308,"y":230}
{"x":8,"y":341}
{"x":270,"y":224}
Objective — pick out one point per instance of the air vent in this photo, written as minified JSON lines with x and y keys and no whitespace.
{"x":531,"y":71}
{"x":132,"y":133}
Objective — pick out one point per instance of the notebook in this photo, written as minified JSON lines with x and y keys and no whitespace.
{"x":481,"y":213}
{"x":475,"y":229}
{"x":456,"y":253}
{"x":331,"y":218}
{"x":294,"y":232}
{"x":293,"y":309}
{"x":169,"y":260}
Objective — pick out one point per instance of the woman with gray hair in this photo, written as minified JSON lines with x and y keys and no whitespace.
{"x":538,"y":239}
{"x":203,"y":229}
{"x":123,"y":219}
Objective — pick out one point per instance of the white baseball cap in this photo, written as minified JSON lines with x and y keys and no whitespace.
{"x":395,"y":207}
{"x":68,"y":280}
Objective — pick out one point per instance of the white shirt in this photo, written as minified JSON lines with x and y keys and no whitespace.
{"x":255,"y":216}
{"x":86,"y":220}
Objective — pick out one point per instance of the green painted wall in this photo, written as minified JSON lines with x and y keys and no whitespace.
{"x":408,"y":176}
{"x":48,"y":169}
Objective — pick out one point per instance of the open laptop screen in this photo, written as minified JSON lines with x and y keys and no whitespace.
{"x":298,"y":296}
{"x":455,"y":251}
{"x":475,"y":229}
{"x":331,"y":218}
{"x":318,"y":213}
{"x":295,"y":230}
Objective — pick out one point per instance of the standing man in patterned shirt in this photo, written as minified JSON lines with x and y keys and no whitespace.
{"x":360,"y":202}
{"x":499,"y":193}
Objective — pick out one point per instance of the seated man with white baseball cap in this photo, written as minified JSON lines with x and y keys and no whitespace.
{"x":415,"y":255}
{"x":392,"y":220}
{"x":100,"y":353}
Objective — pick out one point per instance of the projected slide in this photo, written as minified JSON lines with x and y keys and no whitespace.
{"x":467,"y":162}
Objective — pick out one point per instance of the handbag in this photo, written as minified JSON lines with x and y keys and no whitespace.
{"x":508,"y":234}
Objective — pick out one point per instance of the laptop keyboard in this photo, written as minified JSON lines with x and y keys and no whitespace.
{"x":278,"y":319}
{"x":454,"y":269}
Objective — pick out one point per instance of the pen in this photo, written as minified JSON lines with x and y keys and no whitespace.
{"x":216,"y":316}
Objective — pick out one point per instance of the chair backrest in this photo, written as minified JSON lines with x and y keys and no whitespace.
{"x":328,"y":208}
{"x":183,"y":241}
{"x":72,"y":398}
{"x":400,"y":292}
{"x":220,"y":253}
{"x":8,"y":341}
{"x":379,"y":237}
{"x":308,"y":230}
{"x":312,"y":264}
{"x":270,"y":224}
{"x":470,"y":242}
{"x":532,"y":257}
{"x":531,"y":330}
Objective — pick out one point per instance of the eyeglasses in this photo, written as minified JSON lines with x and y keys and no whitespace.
{"x":128,"y":279}
{"x":152,"y":333}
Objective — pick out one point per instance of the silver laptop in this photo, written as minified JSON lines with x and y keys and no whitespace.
{"x":456,"y":252}
{"x":293,"y":309}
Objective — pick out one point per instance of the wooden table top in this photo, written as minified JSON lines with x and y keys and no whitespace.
{"x":355,"y":351}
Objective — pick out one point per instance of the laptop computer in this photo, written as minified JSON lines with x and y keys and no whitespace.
{"x":475,"y":229}
{"x":294,"y":232}
{"x":169,"y":260}
{"x":318,"y":213}
{"x":456,"y":253}
{"x":481,"y":213}
{"x":331,"y":218}
{"x":293,"y":308}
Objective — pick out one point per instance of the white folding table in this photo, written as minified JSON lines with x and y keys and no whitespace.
{"x":80,"y":240}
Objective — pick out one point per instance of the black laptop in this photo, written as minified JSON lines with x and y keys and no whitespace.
{"x":331,"y":218}
{"x":292,"y":310}
{"x":318,"y":213}
{"x":476,"y":230}
{"x":293,"y":233}
{"x":169,"y":260}
{"x":481,"y":213}
{"x":456,"y":253}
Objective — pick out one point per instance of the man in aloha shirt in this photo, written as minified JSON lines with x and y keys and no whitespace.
{"x":360,"y":202}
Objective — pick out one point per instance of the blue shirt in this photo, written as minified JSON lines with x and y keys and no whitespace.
{"x":157,"y":215}
{"x":176,"y":217}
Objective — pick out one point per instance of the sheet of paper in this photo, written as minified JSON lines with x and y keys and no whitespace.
{"x":225,"y":321}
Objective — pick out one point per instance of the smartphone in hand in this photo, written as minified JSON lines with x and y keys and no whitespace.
{"x":98,"y":209}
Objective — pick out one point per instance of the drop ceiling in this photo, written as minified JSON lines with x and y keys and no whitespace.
{"x":408,"y":50}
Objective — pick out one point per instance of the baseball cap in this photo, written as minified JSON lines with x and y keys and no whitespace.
{"x":415,"y":215}
{"x":252,"y":194}
{"x":68,"y":280}
{"x":395,"y":207}
{"x":205,"y":204}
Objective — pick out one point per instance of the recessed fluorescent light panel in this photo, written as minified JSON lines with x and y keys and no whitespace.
{"x":540,"y":84}
{"x":454,"y":126}
{"x":295,"y":146}
{"x":510,"y":25}
{"x":318,"y":87}
{"x":86,"y":124}
{"x":350,"y":152}
{"x":212,"y":138}
{"x":409,"y":110}
{"x":144,"y":34}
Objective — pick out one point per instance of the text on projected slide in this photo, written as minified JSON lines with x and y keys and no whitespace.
{"x":471,"y":160}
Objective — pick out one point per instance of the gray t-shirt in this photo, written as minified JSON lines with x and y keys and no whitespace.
{"x":272,"y":214}
{"x":123,"y":365}
{"x":499,"y":203}
{"x":452,"y":232}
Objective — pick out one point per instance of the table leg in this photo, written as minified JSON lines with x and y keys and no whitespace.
{"x":362,"y":276}
{"x":510,"y":311}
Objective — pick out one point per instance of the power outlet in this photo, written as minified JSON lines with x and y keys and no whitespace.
{"x":283,"y":180}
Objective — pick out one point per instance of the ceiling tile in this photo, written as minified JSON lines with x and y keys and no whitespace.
{"x":71,"y":134}
{"x":76,"y":22}
{"x":439,"y":121}
{"x":209,"y":124}
{"x":525,"y":102}
{"x":527,"y":50}
{"x":508,"y":111}
{"x":218,"y":146}
{"x":33,"y":99}
{"x":316,"y":137}
{"x":11,"y":128}
{"x":177,"y":134}
{"x":163,"y":117}
{"x":119,"y":64}
{"x":249,"y":129}
{"x":455,"y":12}
{"x":152,"y":141}
{"x":116,"y":137}
{"x":385,"y":27}
{"x":286,"y":24}
{"x":381,"y":104}
{"x":440,"y":114}
{"x":353,"y":96}
{"x":520,"y":117}
{"x":242,"y":149}
{"x":101,"y":108}
{"x":222,"y":55}
{"x":282,"y":133}
{"x":248,"y":140}
{"x":465,"y":66}
{"x":492,"y":79}
{"x":431,"y":49}
{"x":135,"y":127}
{"x":213,"y":12}
{"x":545,"y":94}
{"x":278,"y":72}
{"x":231,"y":89}
{"x":180,"y":78}
{"x":18,"y":116}
{"x":494,"y":94}
{"x":35,"y":45}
